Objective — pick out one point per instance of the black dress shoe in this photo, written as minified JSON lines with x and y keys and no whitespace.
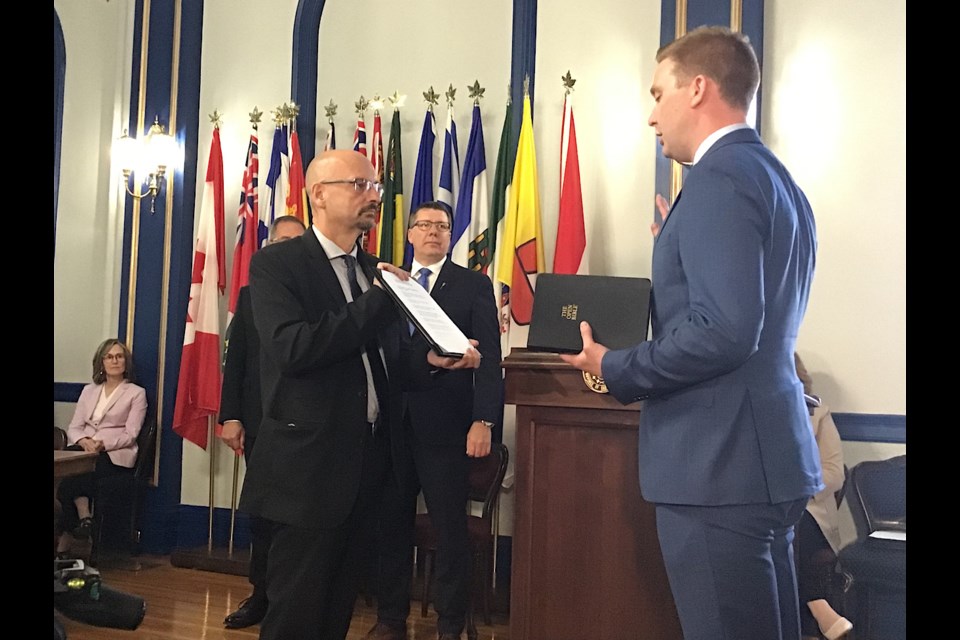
{"x":449,"y":636}
{"x":249,"y":613}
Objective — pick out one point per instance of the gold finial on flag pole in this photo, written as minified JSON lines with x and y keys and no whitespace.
{"x":476,"y":91}
{"x":568,"y":82}
{"x":216,"y":118}
{"x":376,"y":104}
{"x":330,"y":110}
{"x":293,"y":110}
{"x":432,"y":98}
{"x":361,"y":105}
{"x":451,"y":95}
{"x":278,"y":116}
{"x":255,"y":116}
{"x":397,"y":100}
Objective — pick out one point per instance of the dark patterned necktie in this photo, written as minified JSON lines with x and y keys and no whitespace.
{"x":372,"y":348}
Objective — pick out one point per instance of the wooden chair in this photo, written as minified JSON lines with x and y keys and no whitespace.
{"x":485,"y":481}
{"x":117,"y":493}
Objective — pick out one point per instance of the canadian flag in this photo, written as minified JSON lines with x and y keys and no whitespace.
{"x":198,"y":389}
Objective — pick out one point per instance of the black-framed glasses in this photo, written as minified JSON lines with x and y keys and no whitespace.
{"x":425,"y":225}
{"x":360,"y":185}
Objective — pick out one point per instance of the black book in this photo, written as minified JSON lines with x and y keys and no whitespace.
{"x":617,"y":308}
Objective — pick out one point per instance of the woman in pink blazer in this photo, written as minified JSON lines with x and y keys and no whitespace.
{"x":107,"y":420}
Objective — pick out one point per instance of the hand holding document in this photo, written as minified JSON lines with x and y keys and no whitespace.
{"x":426,"y":315}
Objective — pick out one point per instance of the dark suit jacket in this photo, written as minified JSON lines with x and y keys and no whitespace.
{"x":726,"y":422}
{"x":305,"y":470}
{"x":240,"y":392}
{"x":442,"y":412}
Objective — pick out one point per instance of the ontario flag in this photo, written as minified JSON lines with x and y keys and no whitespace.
{"x":521,"y":256}
{"x":360,"y":137}
{"x":571,"y":237}
{"x":198,"y":389}
{"x":297,"y":196}
{"x":248,"y":219}
{"x":372,"y":243}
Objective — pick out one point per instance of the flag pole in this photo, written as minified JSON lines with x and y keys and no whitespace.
{"x":210,"y":439}
{"x":233,"y":502}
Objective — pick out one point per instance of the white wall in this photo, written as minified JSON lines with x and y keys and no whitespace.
{"x":86,"y":268}
{"x":834,"y":111}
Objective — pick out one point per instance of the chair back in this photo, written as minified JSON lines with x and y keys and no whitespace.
{"x":146,"y":446}
{"x":59,"y":438}
{"x":877,"y":495}
{"x":486,"y":477}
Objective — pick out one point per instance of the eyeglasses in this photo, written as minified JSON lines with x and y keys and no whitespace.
{"x":425,"y":225}
{"x":359,"y":185}
{"x":115,"y":356}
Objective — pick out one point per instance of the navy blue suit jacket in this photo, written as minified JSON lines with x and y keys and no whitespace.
{"x":442,"y":411}
{"x":724,"y":419}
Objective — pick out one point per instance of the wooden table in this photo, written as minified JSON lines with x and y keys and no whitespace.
{"x":65,"y":464}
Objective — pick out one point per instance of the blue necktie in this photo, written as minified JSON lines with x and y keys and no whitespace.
{"x":423,"y":278}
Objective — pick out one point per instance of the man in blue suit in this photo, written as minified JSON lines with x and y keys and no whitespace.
{"x":726,"y":453}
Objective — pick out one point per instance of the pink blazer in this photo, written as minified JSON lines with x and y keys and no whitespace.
{"x":120,"y":424}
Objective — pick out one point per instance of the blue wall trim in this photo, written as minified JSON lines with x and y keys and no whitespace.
{"x":67,"y":391}
{"x":194,"y":521}
{"x":871,"y":427}
{"x":59,"y":78}
{"x":303,"y":81}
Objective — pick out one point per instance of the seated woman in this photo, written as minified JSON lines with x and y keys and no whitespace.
{"x":818,"y":531}
{"x":107,"y":420}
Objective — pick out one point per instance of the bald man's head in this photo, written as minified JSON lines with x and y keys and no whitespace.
{"x":344,"y":193}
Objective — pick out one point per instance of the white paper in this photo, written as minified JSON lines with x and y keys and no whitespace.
{"x":886,"y":534}
{"x":436,"y":325}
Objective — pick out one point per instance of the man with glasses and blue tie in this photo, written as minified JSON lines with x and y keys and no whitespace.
{"x":445,"y":424}
{"x":331,"y":367}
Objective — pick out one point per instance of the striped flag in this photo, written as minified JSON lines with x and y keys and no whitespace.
{"x":360,"y":137}
{"x":423,"y":174}
{"x":331,"y":140}
{"x":522,"y":256}
{"x":247,"y":222}
{"x":490,"y":246}
{"x":392,"y":236}
{"x":372,"y":243}
{"x":571,"y":237}
{"x":278,"y":177}
{"x":198,"y":388}
{"x":449,"y":185}
{"x":472,"y":200}
{"x":297,"y":197}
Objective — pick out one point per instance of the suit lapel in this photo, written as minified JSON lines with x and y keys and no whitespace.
{"x":112,"y":400}
{"x":319,"y":263}
{"x":448,"y":274}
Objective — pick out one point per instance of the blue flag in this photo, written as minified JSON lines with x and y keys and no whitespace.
{"x":423,"y":174}
{"x":472,"y":201}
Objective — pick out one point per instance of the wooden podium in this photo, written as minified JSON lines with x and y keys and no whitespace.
{"x":586,"y":560}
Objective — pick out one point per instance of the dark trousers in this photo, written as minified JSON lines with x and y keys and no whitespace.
{"x":261,"y":534}
{"x":74,"y":487}
{"x":442,"y":474}
{"x":815,"y":563}
{"x":313,"y":575}
{"x":731,"y":569}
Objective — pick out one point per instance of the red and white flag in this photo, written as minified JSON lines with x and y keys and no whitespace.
{"x":297,"y":197}
{"x":571,"y":237}
{"x":248,"y":221}
{"x":198,"y":389}
{"x":372,"y":241}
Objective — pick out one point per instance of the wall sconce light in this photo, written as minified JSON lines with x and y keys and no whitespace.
{"x":144,"y":162}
